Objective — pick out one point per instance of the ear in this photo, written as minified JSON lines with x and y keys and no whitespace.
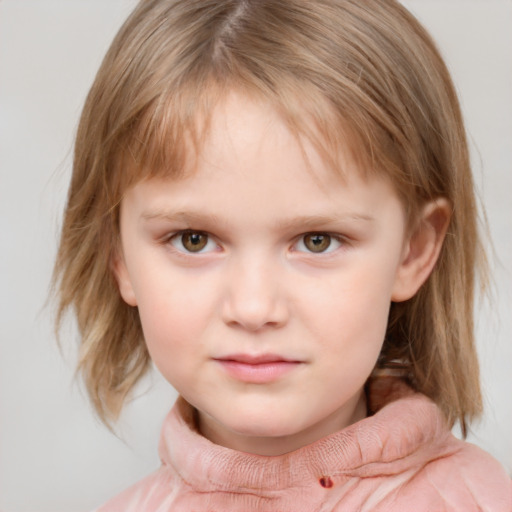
{"x":124,"y":283}
{"x":421,"y":249}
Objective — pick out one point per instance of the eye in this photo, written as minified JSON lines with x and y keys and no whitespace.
{"x":318,"y":243}
{"x":192,"y":242}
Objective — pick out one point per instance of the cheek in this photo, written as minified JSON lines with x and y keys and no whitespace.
{"x":168,"y":333}
{"x":174,"y":312}
{"x":350,"y":312}
{"x":351,"y":346}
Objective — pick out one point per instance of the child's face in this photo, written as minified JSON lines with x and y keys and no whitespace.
{"x":263,"y":285}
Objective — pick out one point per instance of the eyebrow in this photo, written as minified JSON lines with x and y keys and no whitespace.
{"x":178,"y":215}
{"x":311,"y":221}
{"x":298,"y":222}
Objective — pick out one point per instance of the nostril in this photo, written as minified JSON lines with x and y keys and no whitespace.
{"x":326,"y":482}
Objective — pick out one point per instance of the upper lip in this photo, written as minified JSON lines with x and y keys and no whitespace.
{"x":256,"y":359}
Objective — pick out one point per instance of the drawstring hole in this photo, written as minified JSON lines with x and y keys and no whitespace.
{"x":326,"y":482}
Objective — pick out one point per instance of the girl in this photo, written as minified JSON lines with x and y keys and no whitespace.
{"x":272,"y":201}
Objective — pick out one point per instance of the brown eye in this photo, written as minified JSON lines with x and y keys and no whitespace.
{"x":193,"y":241}
{"x":317,"y":242}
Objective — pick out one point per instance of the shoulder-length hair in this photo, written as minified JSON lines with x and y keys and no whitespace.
{"x":357,"y":74}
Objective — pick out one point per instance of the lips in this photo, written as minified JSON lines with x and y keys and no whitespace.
{"x":257,"y":369}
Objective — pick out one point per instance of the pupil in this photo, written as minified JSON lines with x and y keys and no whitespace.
{"x":317,"y":243}
{"x":194,"y":242}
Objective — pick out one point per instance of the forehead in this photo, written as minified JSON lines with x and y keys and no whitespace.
{"x":244,"y":125}
{"x":248,"y":135}
{"x":250,"y":163}
{"x":242,"y":134}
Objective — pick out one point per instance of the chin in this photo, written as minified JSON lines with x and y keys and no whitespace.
{"x":266,"y":425}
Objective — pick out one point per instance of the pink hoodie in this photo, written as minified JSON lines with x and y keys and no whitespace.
{"x":403,"y":458}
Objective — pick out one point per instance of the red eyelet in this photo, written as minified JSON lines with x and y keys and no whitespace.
{"x":326,"y":482}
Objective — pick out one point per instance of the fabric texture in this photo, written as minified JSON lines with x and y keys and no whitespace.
{"x":401,"y":458}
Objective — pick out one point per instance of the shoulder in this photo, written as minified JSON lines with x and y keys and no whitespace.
{"x":147,"y":495}
{"x":480,"y":473}
{"x":466,"y":479}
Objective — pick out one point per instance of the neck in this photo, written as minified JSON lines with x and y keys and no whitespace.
{"x":278,"y":445}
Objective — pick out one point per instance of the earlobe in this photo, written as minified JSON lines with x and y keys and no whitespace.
{"x":422,"y":249}
{"x":123,"y":279}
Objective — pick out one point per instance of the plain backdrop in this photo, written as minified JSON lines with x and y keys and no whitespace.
{"x":54,"y":455}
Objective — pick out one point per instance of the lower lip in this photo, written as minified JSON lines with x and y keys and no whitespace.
{"x":260,"y":373}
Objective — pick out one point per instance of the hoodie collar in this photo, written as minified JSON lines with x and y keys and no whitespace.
{"x":405,"y":431}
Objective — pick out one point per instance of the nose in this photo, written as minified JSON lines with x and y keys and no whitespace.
{"x":255,"y":299}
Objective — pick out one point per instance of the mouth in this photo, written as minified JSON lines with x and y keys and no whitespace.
{"x":260,"y":369}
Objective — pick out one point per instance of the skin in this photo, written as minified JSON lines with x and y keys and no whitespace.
{"x":259,"y":286}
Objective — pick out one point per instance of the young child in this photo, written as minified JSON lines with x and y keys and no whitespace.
{"x":272,"y":201}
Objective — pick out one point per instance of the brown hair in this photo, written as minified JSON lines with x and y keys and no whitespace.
{"x":359,"y":70}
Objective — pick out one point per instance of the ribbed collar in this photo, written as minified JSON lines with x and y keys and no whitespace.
{"x":405,"y":431}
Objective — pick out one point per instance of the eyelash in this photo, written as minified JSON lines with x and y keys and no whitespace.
{"x":336,"y":239}
{"x":335,"y":242}
{"x":176,"y":240}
